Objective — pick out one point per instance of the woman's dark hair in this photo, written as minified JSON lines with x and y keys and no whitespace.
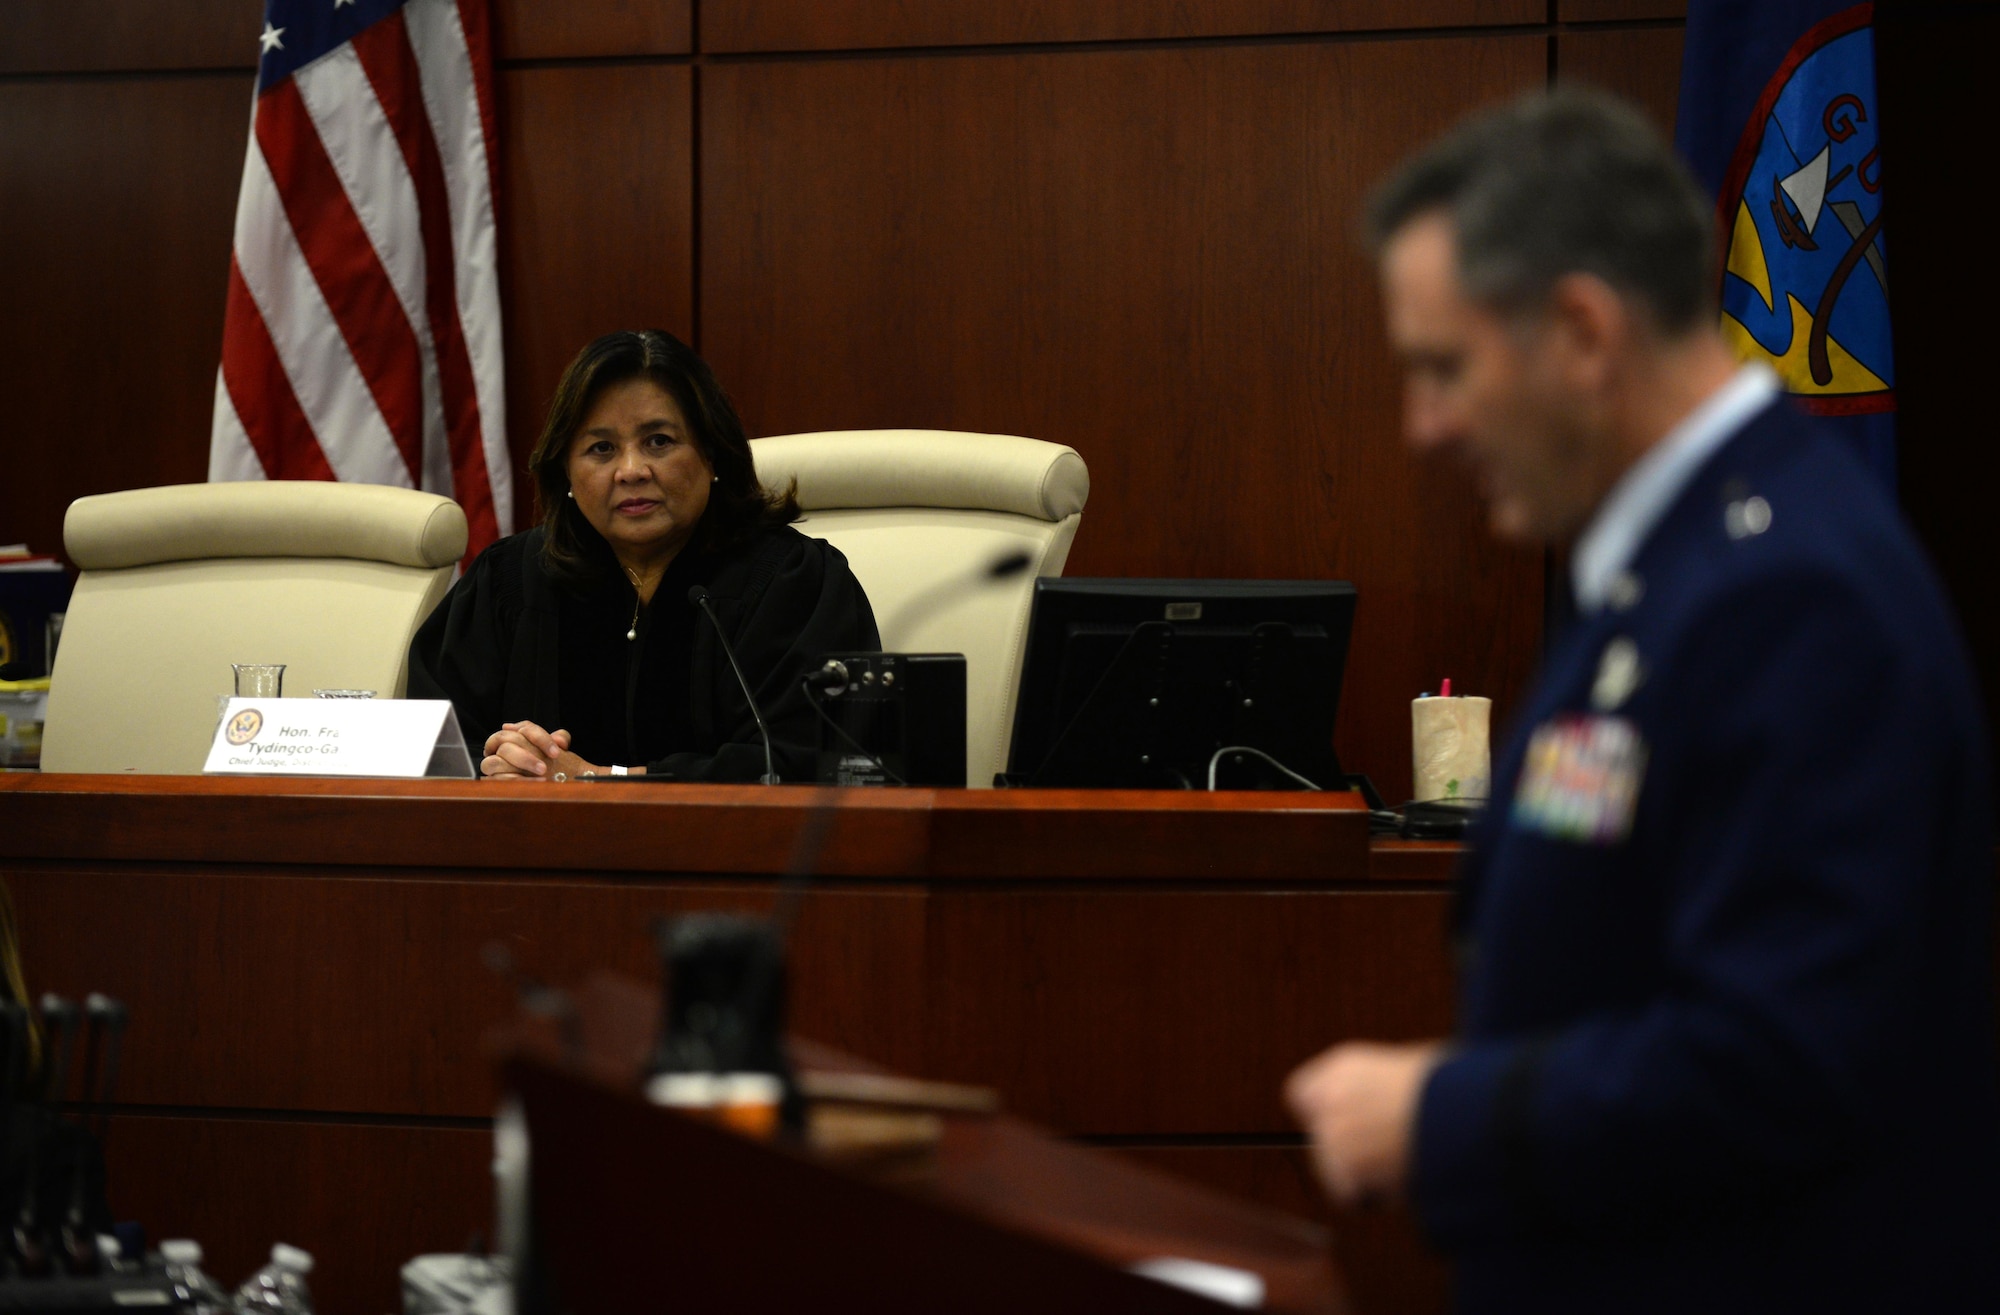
{"x":738,"y":506}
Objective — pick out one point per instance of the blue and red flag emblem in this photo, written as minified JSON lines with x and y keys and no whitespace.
{"x":1779,"y":117}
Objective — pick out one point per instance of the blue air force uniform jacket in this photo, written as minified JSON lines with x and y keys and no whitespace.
{"x":1726,"y":1020}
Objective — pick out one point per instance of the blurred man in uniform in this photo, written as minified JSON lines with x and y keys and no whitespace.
{"x":1726,"y":1039}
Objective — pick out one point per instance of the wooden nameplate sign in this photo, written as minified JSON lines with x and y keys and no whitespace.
{"x":339,"y":737}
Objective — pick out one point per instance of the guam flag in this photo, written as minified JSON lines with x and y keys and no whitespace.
{"x":1778,"y":118}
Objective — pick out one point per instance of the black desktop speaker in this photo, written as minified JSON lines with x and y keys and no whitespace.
{"x":903,"y":712}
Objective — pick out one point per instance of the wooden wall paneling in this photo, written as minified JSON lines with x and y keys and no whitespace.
{"x":114,"y":253}
{"x":1414,"y":860}
{"x":1237,"y":988}
{"x":579,"y":29}
{"x":1389,"y":1268}
{"x":596,"y":223}
{"x":248,"y":980}
{"x":1148,"y":255}
{"x":362,"y":1197}
{"x":80,"y":36}
{"x":1611,"y":11}
{"x":296,"y":992}
{"x":740,"y":25}
{"x":1642,"y":64}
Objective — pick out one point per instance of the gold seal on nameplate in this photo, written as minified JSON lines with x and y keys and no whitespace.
{"x":243,"y":727}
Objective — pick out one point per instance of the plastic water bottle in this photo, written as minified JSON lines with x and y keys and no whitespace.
{"x":280,"y":1286}
{"x":194,"y":1290}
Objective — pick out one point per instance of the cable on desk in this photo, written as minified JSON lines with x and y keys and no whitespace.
{"x":1215,"y":763}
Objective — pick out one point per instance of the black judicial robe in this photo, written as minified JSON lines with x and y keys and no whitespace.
{"x":1726,"y":1026}
{"x":511,"y":642}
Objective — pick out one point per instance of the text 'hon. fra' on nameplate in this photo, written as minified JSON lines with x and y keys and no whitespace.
{"x":339,"y":737}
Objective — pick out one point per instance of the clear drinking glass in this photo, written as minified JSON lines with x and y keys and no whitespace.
{"x":259,"y":680}
{"x":343,"y":693}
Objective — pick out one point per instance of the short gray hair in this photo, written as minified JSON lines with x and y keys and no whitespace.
{"x":1556,"y":183}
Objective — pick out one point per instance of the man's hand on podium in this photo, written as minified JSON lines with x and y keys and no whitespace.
{"x":1358,"y":1102}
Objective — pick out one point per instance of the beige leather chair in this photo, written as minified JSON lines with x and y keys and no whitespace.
{"x":919,"y":514}
{"x":179,"y":582}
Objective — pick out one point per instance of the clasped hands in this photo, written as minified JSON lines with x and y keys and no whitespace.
{"x":524,"y":751}
{"x":1358,"y":1102}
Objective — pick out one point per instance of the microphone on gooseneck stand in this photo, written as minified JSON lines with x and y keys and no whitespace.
{"x":944,"y":592}
{"x":75,"y":1249}
{"x":833,"y":675}
{"x":724,"y":974}
{"x":105,"y":1019}
{"x":699,"y":597}
{"x":31,"y":1249}
{"x":1012,"y":564}
{"x":60,"y":1017}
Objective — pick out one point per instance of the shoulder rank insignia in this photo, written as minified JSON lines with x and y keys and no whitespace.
{"x":1580,"y":779}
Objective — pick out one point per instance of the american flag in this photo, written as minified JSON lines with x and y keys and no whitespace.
{"x":361,"y":340}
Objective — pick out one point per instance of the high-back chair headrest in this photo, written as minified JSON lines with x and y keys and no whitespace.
{"x":920,"y":514}
{"x":278,"y":518}
{"x":927,"y":468}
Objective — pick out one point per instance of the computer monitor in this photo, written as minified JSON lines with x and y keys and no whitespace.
{"x":1139,"y":683}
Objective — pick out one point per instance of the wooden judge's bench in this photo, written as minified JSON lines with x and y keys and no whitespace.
{"x":307,"y":1057}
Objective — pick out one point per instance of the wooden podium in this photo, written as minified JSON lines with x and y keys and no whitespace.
{"x":637,"y":1207}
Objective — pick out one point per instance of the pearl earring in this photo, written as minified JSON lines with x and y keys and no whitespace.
{"x":572,"y":495}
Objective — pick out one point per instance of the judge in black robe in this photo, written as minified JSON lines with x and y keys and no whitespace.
{"x":572,"y":648}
